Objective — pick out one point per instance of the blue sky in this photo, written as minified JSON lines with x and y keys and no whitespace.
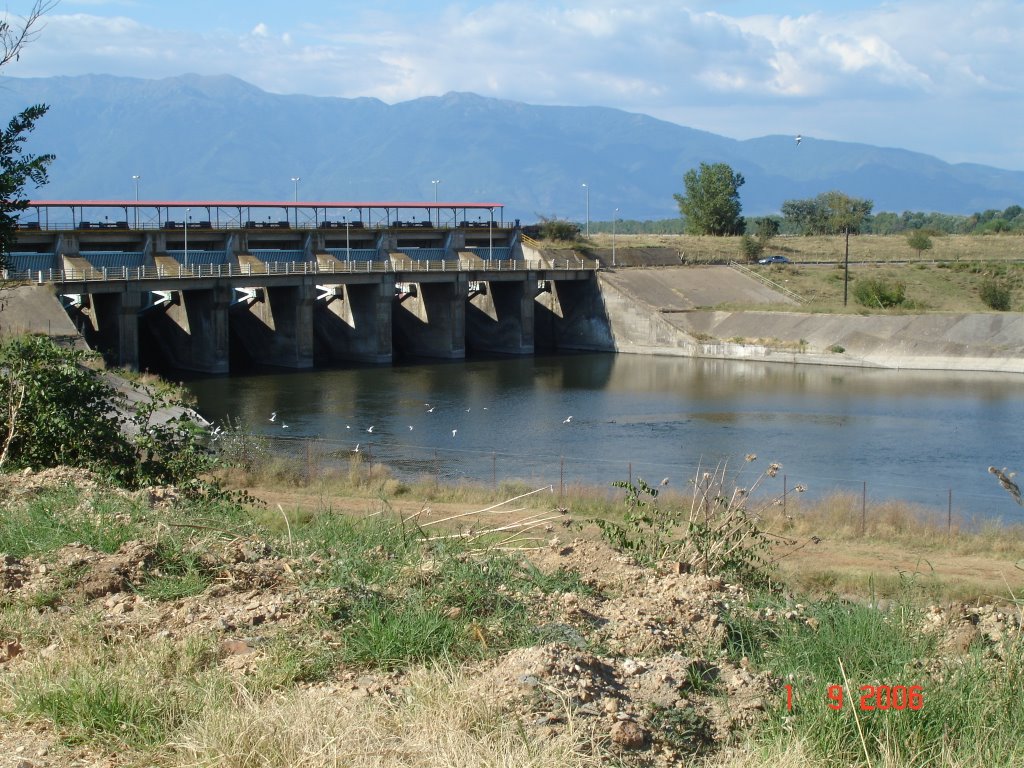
{"x":942,"y":77}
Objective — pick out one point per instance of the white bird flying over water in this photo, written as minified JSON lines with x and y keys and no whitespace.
{"x":567,"y":419}
{"x":370,"y":429}
{"x":799,"y":138}
{"x":454,"y":431}
{"x":273,"y":416}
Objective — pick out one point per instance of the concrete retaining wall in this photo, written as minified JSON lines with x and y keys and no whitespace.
{"x":965,"y":342}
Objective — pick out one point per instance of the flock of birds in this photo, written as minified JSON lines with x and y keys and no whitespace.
{"x":429,"y":409}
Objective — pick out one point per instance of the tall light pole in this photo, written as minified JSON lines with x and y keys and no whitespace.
{"x":435,"y":182}
{"x":136,"y":178}
{"x":587,"y":195}
{"x":615,"y":217}
{"x":295,"y":181}
{"x":348,"y":251}
{"x":187,"y":212}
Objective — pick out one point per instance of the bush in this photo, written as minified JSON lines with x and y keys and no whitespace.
{"x":559,"y":229}
{"x":752,"y":248}
{"x":56,"y":409}
{"x":879,"y":293}
{"x":995,"y":294}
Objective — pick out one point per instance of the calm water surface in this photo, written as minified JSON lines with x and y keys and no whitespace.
{"x":910,"y":435}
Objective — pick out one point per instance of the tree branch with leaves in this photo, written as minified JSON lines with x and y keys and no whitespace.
{"x":17,"y":169}
{"x":711,"y":205}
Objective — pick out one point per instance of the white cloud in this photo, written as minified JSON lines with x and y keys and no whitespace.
{"x":731,"y":72}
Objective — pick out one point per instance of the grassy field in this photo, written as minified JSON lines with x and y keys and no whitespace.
{"x":888,"y":248}
{"x":339,"y":624}
{"x":942,"y":287}
{"x":861,"y":550}
{"x":947,"y":278}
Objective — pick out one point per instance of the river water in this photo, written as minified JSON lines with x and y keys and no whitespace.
{"x":908,"y":435}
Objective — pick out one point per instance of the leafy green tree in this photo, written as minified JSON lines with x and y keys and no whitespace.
{"x":711,"y":205}
{"x":766,"y":227}
{"x":920,"y":241}
{"x":17,"y":170}
{"x":845,"y":214}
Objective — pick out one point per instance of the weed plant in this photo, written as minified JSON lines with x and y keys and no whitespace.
{"x":56,"y":517}
{"x":722,"y":532}
{"x":405,"y":599}
{"x":970,"y":706}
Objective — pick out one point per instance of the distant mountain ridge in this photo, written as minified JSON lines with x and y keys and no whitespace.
{"x":192,"y":137}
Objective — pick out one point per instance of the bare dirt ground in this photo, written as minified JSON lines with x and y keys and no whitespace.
{"x":635,"y":654}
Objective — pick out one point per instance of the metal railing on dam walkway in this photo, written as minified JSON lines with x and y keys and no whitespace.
{"x":206,"y":271}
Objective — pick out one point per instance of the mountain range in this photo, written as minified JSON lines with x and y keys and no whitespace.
{"x":200,"y":137}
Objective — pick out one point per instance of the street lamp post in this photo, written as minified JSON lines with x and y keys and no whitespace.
{"x":587,"y":195}
{"x":295,"y":181}
{"x":615,"y":217}
{"x":435,"y":182}
{"x":348,"y":251}
{"x":136,"y":178}
{"x":187,"y":212}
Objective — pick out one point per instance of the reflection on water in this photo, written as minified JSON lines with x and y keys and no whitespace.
{"x":908,"y":434}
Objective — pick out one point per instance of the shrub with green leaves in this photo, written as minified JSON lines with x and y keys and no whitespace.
{"x":752,"y":248}
{"x":56,"y":409}
{"x":881,"y":294}
{"x":558,"y":229}
{"x":995,"y":294}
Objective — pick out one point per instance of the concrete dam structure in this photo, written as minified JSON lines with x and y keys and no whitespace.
{"x":205,"y":297}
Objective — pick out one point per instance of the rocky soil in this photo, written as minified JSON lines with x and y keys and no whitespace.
{"x":638,"y":654}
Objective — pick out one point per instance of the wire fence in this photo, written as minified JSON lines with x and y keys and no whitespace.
{"x":573,"y":475}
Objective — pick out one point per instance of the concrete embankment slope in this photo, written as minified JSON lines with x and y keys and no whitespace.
{"x":36,"y":309}
{"x":666,"y":311}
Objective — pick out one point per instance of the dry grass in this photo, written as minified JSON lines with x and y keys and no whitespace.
{"x":795,"y":754}
{"x":841,"y":516}
{"x":438,"y":719}
{"x":929,"y":287}
{"x":972,"y":557}
{"x":699,"y":248}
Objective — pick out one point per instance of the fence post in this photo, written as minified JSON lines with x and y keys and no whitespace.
{"x":785,"y":493}
{"x":561,"y":477}
{"x":864,"y":510}
{"x":949,"y":515}
{"x":631,"y":473}
{"x":494,"y":469}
